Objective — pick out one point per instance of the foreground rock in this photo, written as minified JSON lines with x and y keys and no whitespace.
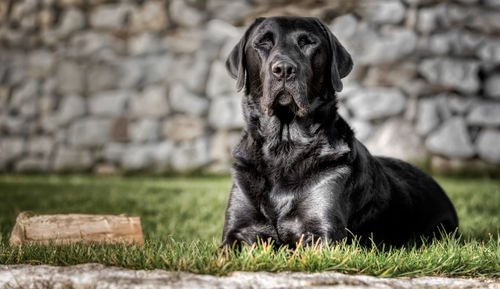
{"x":100,"y":276}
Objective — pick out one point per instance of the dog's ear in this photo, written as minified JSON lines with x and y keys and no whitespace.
{"x":236,"y":61}
{"x":341,"y":63}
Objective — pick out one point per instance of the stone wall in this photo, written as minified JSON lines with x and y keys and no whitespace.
{"x":110,"y":85}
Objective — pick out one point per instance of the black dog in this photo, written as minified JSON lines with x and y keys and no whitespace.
{"x":299,"y":172}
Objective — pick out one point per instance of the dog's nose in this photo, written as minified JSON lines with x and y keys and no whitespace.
{"x":283,"y":70}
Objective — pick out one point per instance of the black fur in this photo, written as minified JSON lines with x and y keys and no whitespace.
{"x":299,"y":172}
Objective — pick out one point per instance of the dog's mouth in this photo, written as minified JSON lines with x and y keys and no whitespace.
{"x":285,"y":104}
{"x":284,"y":98}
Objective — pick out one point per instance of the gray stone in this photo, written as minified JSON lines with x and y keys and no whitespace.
{"x":48,"y":87}
{"x":25,"y":95}
{"x":31,"y":164}
{"x":29,"y":108}
{"x":145,"y":43}
{"x":490,"y":51}
{"x":455,"y":15}
{"x":384,"y":12}
{"x":451,"y":139}
{"x":492,"y":86}
{"x":376,"y":103}
{"x":457,"y":104}
{"x":198,"y":74}
{"x":234,"y":12}
{"x":48,"y":36}
{"x":185,"y":101}
{"x":69,"y":3}
{"x":138,"y":157}
{"x":392,"y":75}
{"x":219,"y":81}
{"x":190,"y":155}
{"x":10,"y":149}
{"x":131,"y":72}
{"x":16,"y":125}
{"x":226,"y":113}
{"x":390,"y":46}
{"x":29,"y":21}
{"x":185,"y":15}
{"x":488,"y":21}
{"x":40,"y":63}
{"x":16,"y":69}
{"x":72,"y":159}
{"x":152,"y":102}
{"x":4,"y":95}
{"x":187,"y":41}
{"x":152,"y":16}
{"x":492,"y":3}
{"x":162,"y":155}
{"x":144,"y":130}
{"x":72,"y":107}
{"x":488,"y":145}
{"x":442,"y":106}
{"x":109,"y":103}
{"x":70,"y":77}
{"x":182,"y":128}
{"x":345,"y":26}
{"x":72,"y":20}
{"x":222,"y":145}
{"x":369,"y":46}
{"x":228,"y":46}
{"x":397,"y":138}
{"x":427,"y":20}
{"x":362,"y":129}
{"x":114,"y":152}
{"x":485,"y":114}
{"x":41,"y":146}
{"x":454,"y":42}
{"x":101,"y":276}
{"x":48,"y":123}
{"x":101,"y":77}
{"x":110,"y":16}
{"x":161,"y":68}
{"x":90,"y":132}
{"x":95,"y":45}
{"x":219,"y":32}
{"x":427,"y":116}
{"x":461,"y":75}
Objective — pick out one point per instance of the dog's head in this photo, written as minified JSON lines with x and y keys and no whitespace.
{"x":285,"y":62}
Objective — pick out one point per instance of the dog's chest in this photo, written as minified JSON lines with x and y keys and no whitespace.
{"x":303,"y":209}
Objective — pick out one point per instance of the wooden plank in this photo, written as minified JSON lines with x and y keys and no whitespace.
{"x":72,"y":228}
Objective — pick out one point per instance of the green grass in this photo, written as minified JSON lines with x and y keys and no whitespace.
{"x":183,"y":217}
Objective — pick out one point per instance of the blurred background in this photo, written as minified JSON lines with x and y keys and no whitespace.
{"x":137,"y":85}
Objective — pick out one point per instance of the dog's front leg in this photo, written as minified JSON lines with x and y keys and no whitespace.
{"x":244,"y":222}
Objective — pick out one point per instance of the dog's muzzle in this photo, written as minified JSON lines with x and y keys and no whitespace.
{"x":284,"y":91}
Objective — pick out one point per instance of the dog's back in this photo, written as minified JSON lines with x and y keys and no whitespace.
{"x":410,"y":203}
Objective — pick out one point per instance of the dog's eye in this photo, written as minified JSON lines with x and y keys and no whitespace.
{"x":266,"y":41}
{"x":304,"y":41}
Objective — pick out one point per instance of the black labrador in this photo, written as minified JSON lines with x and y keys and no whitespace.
{"x":299,"y":172}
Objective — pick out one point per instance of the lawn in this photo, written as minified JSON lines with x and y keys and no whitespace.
{"x":183,"y":217}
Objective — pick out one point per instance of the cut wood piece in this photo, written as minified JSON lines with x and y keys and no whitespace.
{"x":73,"y":228}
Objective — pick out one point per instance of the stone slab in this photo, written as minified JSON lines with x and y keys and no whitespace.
{"x":100,"y":276}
